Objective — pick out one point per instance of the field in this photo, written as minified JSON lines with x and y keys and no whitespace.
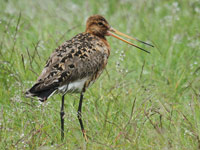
{"x":141,"y":101}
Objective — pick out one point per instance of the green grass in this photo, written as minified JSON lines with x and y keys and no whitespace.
{"x":143,"y":101}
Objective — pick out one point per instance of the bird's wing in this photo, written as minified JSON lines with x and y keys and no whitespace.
{"x":82,"y":56}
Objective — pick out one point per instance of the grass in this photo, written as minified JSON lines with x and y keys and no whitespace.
{"x":141,"y":102}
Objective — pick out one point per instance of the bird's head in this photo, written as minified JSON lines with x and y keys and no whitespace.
{"x":97,"y":25}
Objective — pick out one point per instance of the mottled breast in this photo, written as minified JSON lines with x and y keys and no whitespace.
{"x":80,"y":59}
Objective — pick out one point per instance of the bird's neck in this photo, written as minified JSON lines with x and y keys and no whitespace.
{"x":103,"y":38}
{"x":105,"y":41}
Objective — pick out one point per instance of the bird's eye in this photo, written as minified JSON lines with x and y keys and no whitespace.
{"x":100,"y":23}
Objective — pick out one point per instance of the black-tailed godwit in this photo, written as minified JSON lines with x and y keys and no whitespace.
{"x":76,"y":64}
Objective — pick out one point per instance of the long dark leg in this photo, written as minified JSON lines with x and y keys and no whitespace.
{"x":62,"y":113}
{"x":79,"y":116}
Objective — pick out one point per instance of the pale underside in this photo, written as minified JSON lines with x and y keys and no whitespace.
{"x":73,"y":87}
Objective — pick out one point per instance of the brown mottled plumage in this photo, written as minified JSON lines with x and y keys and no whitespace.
{"x":76,"y":64}
{"x":84,"y":56}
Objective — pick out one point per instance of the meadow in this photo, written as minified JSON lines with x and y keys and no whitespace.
{"x":141,"y":101}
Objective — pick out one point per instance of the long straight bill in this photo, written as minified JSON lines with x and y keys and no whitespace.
{"x":129,"y":37}
{"x":111,"y":34}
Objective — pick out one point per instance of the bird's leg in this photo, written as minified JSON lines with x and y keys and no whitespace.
{"x":62,"y":113}
{"x":79,"y":116}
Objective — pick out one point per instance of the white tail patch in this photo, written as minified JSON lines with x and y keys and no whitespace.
{"x":75,"y":86}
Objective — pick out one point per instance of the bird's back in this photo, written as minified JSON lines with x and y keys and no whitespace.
{"x":74,"y":64}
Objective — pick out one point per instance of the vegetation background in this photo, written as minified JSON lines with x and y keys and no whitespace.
{"x":142,"y":101}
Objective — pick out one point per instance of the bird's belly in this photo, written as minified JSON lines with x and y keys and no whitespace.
{"x":73,"y":87}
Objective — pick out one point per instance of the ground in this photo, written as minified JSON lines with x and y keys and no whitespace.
{"x":141,"y":101}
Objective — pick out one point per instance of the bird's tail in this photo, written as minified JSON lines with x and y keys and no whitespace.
{"x":42,"y":95}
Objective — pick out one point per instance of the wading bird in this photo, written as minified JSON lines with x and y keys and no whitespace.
{"x":76,"y":64}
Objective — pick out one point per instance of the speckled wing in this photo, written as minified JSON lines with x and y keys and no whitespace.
{"x":82,"y":56}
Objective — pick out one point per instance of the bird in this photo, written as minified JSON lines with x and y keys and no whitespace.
{"x":76,"y":65}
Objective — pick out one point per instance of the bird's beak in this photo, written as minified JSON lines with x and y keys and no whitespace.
{"x":111,"y":32}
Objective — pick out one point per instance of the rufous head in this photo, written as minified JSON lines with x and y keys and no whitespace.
{"x":97,"y":25}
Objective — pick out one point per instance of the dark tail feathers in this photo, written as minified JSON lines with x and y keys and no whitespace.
{"x":42,"y":95}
